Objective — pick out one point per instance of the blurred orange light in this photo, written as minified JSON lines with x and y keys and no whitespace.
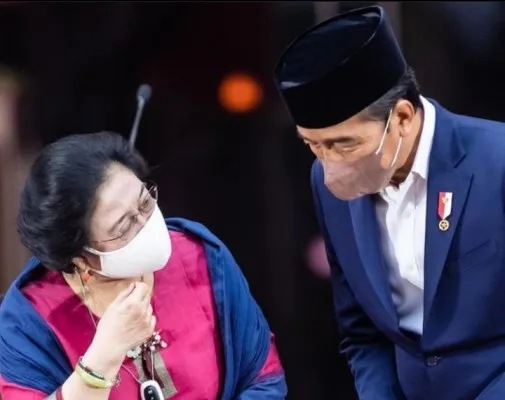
{"x":240,"y":93}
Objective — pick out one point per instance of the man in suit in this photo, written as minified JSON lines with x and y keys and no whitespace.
{"x":410,"y":199}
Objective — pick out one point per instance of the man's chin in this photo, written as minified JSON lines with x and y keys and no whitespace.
{"x":352,"y":197}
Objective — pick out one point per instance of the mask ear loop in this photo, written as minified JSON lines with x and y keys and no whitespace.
{"x":397,"y":152}
{"x":379,"y":149}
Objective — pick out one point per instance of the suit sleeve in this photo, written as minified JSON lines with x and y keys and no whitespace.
{"x":369,"y":353}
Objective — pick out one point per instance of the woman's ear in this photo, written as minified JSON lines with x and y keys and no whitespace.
{"x":81,"y":264}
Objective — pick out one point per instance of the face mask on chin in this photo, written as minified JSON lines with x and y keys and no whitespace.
{"x":350,"y":180}
{"x":147,"y":252}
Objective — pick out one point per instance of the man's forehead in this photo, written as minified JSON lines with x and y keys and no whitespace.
{"x":353,"y":127}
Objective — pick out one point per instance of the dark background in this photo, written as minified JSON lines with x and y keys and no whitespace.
{"x":245,"y":176}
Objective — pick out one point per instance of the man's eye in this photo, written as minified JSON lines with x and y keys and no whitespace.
{"x":349,"y":148}
{"x":315,"y":145}
{"x":345,"y":147}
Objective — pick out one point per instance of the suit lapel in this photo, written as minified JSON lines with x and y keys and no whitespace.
{"x":367,"y":234}
{"x":447,"y":152}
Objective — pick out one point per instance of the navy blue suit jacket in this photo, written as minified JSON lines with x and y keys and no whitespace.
{"x":461,"y":354}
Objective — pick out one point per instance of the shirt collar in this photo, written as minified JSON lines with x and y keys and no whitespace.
{"x":421,"y":160}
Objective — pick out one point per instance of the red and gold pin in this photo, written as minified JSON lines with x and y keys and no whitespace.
{"x":444,"y":209}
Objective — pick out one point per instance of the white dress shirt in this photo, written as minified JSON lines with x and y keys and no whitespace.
{"x":401,"y":213}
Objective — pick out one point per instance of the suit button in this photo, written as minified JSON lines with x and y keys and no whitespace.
{"x":432,"y":361}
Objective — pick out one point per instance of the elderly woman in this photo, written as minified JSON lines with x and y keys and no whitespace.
{"x":119,"y":303}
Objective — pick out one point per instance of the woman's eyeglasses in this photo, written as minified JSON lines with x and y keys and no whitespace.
{"x":131,"y":226}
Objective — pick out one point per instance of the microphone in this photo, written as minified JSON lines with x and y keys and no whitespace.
{"x":143,"y":94}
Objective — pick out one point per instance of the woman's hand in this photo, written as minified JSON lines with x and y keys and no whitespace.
{"x":127,"y":323}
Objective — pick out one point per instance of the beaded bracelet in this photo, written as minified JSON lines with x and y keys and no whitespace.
{"x":94,"y":379}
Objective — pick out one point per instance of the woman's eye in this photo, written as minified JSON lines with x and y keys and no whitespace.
{"x":146,"y":205}
{"x":126,"y":227}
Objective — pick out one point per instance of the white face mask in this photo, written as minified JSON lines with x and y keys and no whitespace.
{"x":147,"y":252}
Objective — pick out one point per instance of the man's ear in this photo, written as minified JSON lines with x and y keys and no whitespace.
{"x":405,"y":113}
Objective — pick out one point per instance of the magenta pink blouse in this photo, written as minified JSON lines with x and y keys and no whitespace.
{"x":191,"y":367}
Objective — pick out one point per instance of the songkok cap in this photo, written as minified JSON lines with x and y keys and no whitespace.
{"x":336,"y":69}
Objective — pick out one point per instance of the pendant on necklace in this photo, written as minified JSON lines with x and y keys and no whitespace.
{"x":151,"y":344}
{"x":134,"y":353}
